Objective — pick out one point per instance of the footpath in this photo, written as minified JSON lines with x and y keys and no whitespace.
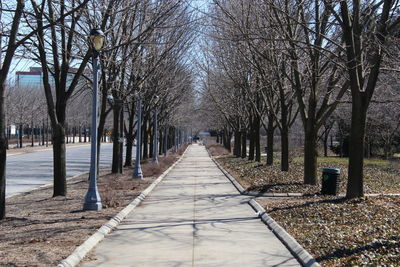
{"x":194,"y":217}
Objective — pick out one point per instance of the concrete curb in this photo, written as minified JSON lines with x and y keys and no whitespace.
{"x":44,"y":186}
{"x":80,"y":252}
{"x":304,"y":258}
{"x":294,"y":247}
{"x":235,"y":183}
{"x":242,"y":191}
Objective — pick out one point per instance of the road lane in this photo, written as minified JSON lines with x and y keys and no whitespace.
{"x":27,"y":171}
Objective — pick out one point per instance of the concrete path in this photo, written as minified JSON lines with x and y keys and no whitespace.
{"x":195,"y":217}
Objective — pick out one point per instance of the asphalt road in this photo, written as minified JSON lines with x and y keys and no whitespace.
{"x":28,"y":171}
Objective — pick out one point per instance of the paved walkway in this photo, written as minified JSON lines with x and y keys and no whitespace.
{"x":195,"y":217}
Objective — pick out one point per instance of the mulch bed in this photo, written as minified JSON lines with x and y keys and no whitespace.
{"x":342,"y":232}
{"x":41,"y":230}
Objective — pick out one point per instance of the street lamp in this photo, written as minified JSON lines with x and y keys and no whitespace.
{"x":92,"y":198}
{"x":137,"y":171}
{"x":155,"y":146}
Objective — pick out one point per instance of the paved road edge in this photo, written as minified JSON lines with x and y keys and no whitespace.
{"x":80,"y":252}
{"x":45,"y":185}
{"x":302,"y":255}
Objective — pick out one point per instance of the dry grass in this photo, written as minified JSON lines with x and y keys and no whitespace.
{"x":151,"y":169}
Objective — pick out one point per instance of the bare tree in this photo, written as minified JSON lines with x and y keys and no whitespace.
{"x":367,"y":28}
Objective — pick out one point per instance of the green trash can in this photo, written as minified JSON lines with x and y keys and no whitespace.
{"x":330,"y":181}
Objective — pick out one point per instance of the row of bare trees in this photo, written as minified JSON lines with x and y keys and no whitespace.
{"x":269,"y":61}
{"x":147,"y":39}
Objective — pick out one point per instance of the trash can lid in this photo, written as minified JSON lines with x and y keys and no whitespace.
{"x":331,"y":170}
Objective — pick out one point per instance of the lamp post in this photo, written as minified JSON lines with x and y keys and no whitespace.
{"x":92,"y":198}
{"x":137,"y":171}
{"x":155,"y":146}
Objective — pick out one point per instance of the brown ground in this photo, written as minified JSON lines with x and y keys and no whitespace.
{"x":341,"y":232}
{"x":40,"y":230}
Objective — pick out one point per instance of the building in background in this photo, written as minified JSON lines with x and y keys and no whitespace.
{"x":31,"y":79}
{"x":34,"y":78}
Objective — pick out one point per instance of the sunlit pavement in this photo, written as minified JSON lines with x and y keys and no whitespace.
{"x":195,"y":217}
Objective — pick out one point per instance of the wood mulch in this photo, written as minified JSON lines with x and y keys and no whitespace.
{"x":342,"y":232}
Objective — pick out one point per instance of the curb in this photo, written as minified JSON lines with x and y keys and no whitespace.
{"x":80,"y":252}
{"x":303,"y":257}
{"x":294,"y":247}
{"x":44,"y":186}
{"x":235,"y":183}
{"x":242,"y":191}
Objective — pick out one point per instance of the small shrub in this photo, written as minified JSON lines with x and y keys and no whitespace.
{"x":151,"y":169}
{"x":108,"y":197}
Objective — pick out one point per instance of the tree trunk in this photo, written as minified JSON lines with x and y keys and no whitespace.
{"x":151,"y":141}
{"x":161,"y":142}
{"x":80,"y":133}
{"x":21,"y":133}
{"x":270,"y":140}
{"x":102,"y":121}
{"x":121,"y":141}
{"x":32,"y":135}
{"x":257,"y":124}
{"x":244,"y":144}
{"x":252,"y":137}
{"x":145,"y":139}
{"x":60,"y":182}
{"x":237,"y":145}
{"x":47,"y":132}
{"x":8,"y":136}
{"x":3,"y":155}
{"x":129,"y":149}
{"x":285,"y":149}
{"x":355,"y":185}
{"x":67,"y":133}
{"x":73,"y":134}
{"x":116,"y":147}
{"x":84,"y":134}
{"x":43,"y":127}
{"x":310,"y":155}
{"x":228,"y":141}
{"x":130,"y":137}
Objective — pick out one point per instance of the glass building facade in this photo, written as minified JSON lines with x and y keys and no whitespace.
{"x":34,"y":78}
